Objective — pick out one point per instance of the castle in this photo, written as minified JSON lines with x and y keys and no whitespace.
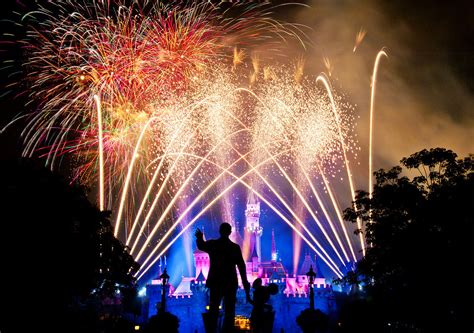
{"x":189,"y":299}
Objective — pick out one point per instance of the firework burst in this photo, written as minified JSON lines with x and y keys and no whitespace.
{"x":167,"y":108}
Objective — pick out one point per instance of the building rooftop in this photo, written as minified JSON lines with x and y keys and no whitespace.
{"x":184,"y":287}
{"x":200,"y":277}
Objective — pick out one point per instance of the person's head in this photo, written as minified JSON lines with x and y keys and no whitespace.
{"x":257,"y":283}
{"x":225,"y":229}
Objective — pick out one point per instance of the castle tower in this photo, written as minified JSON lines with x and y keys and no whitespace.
{"x":202,"y":263}
{"x":252,"y":223}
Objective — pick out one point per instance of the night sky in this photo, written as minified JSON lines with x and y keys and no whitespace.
{"x":425,"y":88}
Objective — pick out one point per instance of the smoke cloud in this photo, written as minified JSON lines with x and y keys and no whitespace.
{"x":425,"y":91}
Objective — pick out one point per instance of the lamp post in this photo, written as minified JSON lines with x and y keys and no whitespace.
{"x":164,"y":278}
{"x":311,"y":275}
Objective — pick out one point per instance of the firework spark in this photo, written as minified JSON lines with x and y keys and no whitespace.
{"x":153,"y":102}
{"x":328,"y":65}
{"x":381,"y":54}
{"x":359,"y":38}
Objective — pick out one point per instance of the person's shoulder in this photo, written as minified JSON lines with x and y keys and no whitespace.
{"x":235,"y":246}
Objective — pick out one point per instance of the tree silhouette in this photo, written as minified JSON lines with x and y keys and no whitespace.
{"x":59,"y":252}
{"x":313,"y":321}
{"x":418,"y":266}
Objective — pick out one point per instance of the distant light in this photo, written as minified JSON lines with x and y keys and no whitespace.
{"x":207,"y":307}
{"x":117,"y":291}
{"x":142,"y":292}
{"x":137,"y":327}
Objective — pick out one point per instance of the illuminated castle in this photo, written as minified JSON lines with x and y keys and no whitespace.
{"x":188,"y":300}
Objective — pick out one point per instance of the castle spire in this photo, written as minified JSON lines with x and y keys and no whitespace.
{"x":252,"y":222}
{"x":274,"y":251}
{"x":318,"y":268}
{"x":252,"y":199}
{"x":307,"y":263}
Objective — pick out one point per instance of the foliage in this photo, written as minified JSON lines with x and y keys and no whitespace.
{"x":419,"y":232}
{"x":61,"y":250}
{"x":312,"y":321}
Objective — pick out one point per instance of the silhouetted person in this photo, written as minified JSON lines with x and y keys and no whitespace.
{"x":262,"y":313}
{"x":222,"y":278}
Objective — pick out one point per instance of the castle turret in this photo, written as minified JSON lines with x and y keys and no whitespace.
{"x":305,"y":267}
{"x":252,"y":219}
{"x":319,"y":272}
{"x":200,"y":280}
{"x":201,"y":262}
{"x":307,"y":264}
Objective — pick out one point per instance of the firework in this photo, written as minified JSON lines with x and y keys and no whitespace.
{"x":328,"y":65}
{"x":379,"y":56}
{"x":157,"y":105}
{"x":130,"y":56}
{"x":359,"y":38}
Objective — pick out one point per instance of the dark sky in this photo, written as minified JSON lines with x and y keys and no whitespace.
{"x":425,"y":89}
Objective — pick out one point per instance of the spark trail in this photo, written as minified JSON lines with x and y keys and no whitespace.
{"x":153,"y":104}
{"x":381,"y":54}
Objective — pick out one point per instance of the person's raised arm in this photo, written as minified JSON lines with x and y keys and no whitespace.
{"x":200,"y":242}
